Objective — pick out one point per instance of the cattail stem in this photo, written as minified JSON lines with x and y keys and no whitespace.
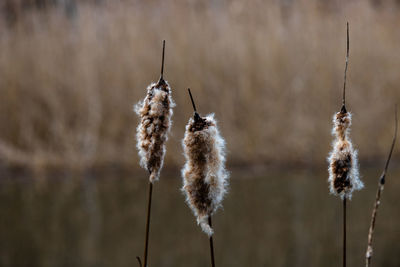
{"x":161,"y":80}
{"x":345,"y":71}
{"x":196,"y":115}
{"x":368,"y":255}
{"x":146,"y":244}
{"x":344,"y":231}
{"x":379,"y":191}
{"x":162,"y":60}
{"x":139,"y":260}
{"x":204,"y":172}
{"x":191,"y":98}
{"x":156,"y":108}
{"x":211,"y":244}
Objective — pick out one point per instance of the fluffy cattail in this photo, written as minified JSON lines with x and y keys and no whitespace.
{"x":204,"y":174}
{"x":343,"y":165}
{"x":155,"y":113}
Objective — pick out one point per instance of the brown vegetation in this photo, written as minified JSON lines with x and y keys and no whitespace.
{"x":271,"y":72}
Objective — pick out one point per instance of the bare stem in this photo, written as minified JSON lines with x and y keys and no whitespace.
{"x":191,"y":98}
{"x":196,"y":115}
{"x":146,"y":243}
{"x":162,"y":59}
{"x":146,"y":246}
{"x":211,"y":244}
{"x":161,"y":80}
{"x":345,"y":71}
{"x":393,"y":143}
{"x":344,"y":231}
{"x":379,"y":192}
{"x":139,"y":260}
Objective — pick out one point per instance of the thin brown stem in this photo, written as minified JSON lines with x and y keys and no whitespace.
{"x":196,"y":115}
{"x":162,"y":60}
{"x":191,"y":98}
{"x":211,"y":244}
{"x":393,"y":143}
{"x":146,"y":242}
{"x":379,"y":192}
{"x":345,"y":71}
{"x":139,"y":260}
{"x":161,"y":80}
{"x":344,"y":231}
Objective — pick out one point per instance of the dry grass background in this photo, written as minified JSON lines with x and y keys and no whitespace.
{"x":272,"y":71}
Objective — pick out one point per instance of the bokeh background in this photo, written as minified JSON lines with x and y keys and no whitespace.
{"x":71,"y":190}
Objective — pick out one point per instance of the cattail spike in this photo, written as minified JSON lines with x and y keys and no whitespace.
{"x":345,"y":72}
{"x":196,"y":115}
{"x":343,"y":160}
{"x":155,"y":113}
{"x":161,"y":81}
{"x":191,"y":98}
{"x":162,"y":60}
{"x":204,"y":174}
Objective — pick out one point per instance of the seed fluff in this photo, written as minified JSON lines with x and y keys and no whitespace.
{"x":155,"y":113}
{"x":343,"y":170}
{"x":204,"y":173}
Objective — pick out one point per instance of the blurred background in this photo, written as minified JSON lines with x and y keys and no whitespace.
{"x":71,"y":190}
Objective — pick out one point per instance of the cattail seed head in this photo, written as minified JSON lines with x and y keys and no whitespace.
{"x":204,"y":174}
{"x":343,"y":161}
{"x":155,"y":113}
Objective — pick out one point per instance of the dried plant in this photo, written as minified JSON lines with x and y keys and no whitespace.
{"x":379,"y":192}
{"x":155,"y":113}
{"x":204,"y":173}
{"x":344,"y":175}
{"x":343,"y":170}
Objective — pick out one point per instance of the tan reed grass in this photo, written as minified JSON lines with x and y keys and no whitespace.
{"x":381,"y":184}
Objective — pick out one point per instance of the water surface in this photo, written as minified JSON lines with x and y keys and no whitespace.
{"x":270,"y":218}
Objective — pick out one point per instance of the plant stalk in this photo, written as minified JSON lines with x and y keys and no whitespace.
{"x":344,"y":231}
{"x":211,"y":244}
{"x":379,"y":192}
{"x":146,"y":244}
{"x":345,"y":69}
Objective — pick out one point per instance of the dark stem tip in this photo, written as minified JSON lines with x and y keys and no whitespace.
{"x":140,"y":262}
{"x":162,"y":60}
{"x":191,"y":98}
{"x":161,"y":82}
{"x":196,"y":115}
{"x":343,"y":110}
{"x":382,"y":180}
{"x":345,"y":68}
